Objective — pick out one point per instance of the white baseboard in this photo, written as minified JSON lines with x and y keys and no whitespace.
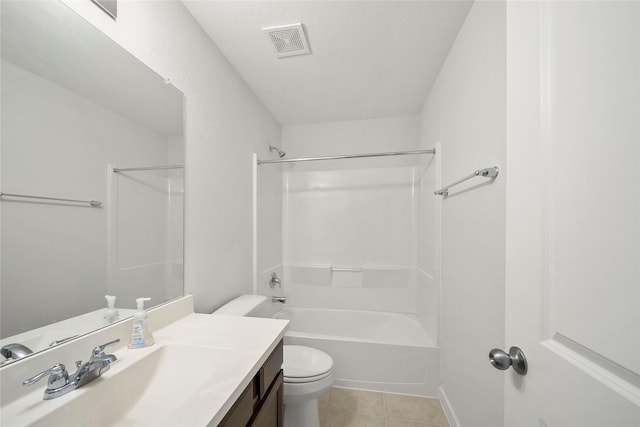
{"x":448,"y":409}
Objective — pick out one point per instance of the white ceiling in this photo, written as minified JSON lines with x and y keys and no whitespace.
{"x":369,"y":58}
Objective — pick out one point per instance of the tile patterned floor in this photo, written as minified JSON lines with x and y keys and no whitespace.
{"x":342,"y":407}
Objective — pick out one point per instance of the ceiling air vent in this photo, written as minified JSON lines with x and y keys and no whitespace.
{"x":288,"y":40}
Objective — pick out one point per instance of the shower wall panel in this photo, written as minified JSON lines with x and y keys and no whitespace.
{"x":350,"y":238}
{"x":350,"y":226}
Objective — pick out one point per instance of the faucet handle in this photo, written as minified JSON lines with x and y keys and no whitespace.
{"x":99,"y":350}
{"x":58,"y":376}
{"x":274,"y":280}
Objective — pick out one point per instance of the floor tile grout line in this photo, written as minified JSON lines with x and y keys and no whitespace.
{"x":384,"y":407}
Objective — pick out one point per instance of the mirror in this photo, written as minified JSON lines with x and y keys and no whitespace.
{"x":76,"y":106}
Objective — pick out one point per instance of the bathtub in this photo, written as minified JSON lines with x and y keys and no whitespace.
{"x":378,"y":351}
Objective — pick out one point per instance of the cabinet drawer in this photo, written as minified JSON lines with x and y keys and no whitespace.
{"x":270,"y":369}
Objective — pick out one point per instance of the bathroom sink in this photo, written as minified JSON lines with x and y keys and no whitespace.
{"x":171,"y":385}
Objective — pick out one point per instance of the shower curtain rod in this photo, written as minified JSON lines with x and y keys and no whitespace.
{"x":149,"y":168}
{"x":349,"y":156}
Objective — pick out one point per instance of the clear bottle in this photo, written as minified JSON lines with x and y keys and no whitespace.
{"x":140,"y":335}
{"x":111,"y":313}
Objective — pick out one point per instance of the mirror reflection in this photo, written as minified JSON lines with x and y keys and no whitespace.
{"x":91,"y":178}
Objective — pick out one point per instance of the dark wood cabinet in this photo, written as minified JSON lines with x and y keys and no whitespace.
{"x":261,"y":403}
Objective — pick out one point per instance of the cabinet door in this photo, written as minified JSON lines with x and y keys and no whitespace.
{"x":270,"y":413}
{"x":242,"y":411}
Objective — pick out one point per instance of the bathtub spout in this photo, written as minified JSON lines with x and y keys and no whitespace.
{"x":279,"y":299}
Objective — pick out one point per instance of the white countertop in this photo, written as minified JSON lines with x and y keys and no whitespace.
{"x":249,"y":341}
{"x":252,"y":340}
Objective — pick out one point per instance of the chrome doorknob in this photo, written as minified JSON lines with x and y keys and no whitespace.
{"x":502,"y":360}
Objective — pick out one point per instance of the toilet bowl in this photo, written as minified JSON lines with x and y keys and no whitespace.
{"x":307,"y":371}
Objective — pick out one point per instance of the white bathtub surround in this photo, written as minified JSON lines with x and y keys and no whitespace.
{"x":351,"y":230}
{"x":429,"y":241}
{"x":312,"y":275}
{"x":365,"y":276}
{"x":342,"y":219}
{"x":428,"y":303}
{"x":268,"y":223}
{"x":354,"y":231}
{"x":388,"y":352}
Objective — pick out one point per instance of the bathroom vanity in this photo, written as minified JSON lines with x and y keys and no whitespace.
{"x":261,"y":403}
{"x":202,"y":371}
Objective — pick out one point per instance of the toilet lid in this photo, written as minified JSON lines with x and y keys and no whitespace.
{"x":298,"y":380}
{"x":305,"y":363}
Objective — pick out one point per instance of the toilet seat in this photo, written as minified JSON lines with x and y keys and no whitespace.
{"x":297,"y":380}
{"x":305,"y":364}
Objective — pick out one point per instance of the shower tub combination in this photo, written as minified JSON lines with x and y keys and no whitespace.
{"x":378,"y":351}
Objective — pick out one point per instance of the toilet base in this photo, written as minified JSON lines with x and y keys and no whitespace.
{"x":302,"y":414}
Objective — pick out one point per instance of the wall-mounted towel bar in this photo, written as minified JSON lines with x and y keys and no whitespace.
{"x":487,"y":173}
{"x":148,"y":168}
{"x":349,"y":156}
{"x":94,"y":203}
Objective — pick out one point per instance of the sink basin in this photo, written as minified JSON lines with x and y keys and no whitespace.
{"x":171,"y":385}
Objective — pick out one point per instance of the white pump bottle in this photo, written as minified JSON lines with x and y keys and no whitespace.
{"x":140,"y":335}
{"x":111,"y":313}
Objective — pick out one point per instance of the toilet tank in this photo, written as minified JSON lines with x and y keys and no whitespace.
{"x":244,"y":305}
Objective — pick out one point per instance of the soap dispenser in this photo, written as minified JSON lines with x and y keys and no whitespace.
{"x":111,"y":314}
{"x":140,"y":335}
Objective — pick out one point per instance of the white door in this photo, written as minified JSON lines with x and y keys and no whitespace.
{"x":573,"y":213}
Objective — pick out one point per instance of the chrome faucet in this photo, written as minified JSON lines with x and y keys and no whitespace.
{"x":61,"y":383}
{"x":273,"y":281}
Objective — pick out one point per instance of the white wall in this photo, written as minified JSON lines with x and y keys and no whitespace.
{"x":56,"y":143}
{"x":465,"y":112}
{"x":225,"y":124}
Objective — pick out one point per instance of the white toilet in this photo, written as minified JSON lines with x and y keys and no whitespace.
{"x":308,"y":372}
